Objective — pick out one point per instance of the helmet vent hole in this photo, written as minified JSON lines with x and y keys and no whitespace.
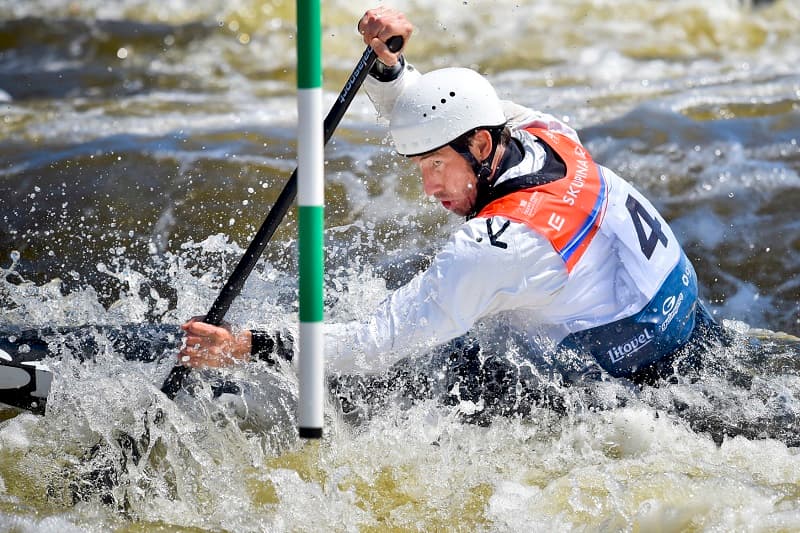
{"x":452,"y":94}
{"x":433,"y":107}
{"x":444,"y":101}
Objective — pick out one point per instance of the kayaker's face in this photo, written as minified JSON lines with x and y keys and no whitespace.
{"x":448,"y":177}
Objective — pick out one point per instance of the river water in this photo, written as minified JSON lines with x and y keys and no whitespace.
{"x":142,"y":143}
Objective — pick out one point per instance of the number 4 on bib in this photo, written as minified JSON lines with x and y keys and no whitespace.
{"x":641,"y":217}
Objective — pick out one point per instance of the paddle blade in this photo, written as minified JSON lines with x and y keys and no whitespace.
{"x":174,"y":381}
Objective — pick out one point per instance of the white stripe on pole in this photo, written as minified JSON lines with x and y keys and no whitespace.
{"x":312,"y":376}
{"x":310,"y":148}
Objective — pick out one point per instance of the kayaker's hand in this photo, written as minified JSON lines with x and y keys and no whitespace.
{"x":379,"y":25}
{"x":210,"y":346}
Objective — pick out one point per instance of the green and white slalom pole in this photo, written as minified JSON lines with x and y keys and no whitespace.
{"x":310,"y":201}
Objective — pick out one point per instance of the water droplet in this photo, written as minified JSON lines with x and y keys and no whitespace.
{"x":122,"y":53}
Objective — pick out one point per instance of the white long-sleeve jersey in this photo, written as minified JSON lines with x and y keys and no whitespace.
{"x":527,"y":281}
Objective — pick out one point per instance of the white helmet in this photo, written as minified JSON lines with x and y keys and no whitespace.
{"x":440,"y":107}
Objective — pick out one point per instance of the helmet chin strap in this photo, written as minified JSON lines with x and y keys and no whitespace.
{"x":485,"y":169}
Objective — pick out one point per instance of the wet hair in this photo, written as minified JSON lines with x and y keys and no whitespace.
{"x":501,"y":135}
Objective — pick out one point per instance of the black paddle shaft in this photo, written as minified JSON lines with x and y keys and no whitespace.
{"x":237,"y":279}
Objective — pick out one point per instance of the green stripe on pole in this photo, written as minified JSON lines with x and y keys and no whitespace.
{"x":309,"y":44}
{"x":310,"y":221}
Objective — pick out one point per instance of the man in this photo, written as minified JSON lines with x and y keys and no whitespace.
{"x":568,"y":256}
